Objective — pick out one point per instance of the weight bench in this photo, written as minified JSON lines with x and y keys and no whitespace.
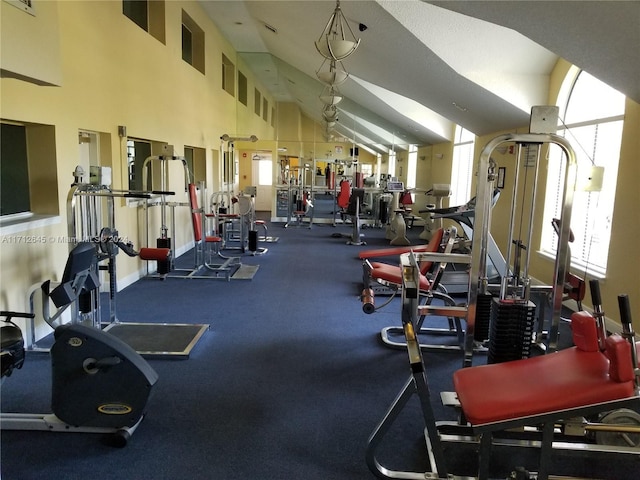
{"x":575,"y":382}
{"x":529,"y":397}
{"x":208,"y":246}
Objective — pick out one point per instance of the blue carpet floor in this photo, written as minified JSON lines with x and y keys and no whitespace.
{"x":288,"y":383}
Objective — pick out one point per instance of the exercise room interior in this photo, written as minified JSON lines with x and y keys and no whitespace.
{"x":243,"y":100}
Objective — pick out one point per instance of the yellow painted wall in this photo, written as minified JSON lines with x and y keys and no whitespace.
{"x":114,"y":73}
{"x":36,"y":58}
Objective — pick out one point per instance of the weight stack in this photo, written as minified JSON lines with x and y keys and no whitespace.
{"x":483,"y":317}
{"x":164,"y":266}
{"x":384,"y":211}
{"x":511,"y":330}
{"x":253,"y":240}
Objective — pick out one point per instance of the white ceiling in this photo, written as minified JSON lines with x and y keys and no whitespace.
{"x":422,"y":67}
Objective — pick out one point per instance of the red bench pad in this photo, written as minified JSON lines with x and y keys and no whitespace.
{"x":154,"y":254}
{"x":558,"y":381}
{"x":393,"y":251}
{"x":393,"y":274}
{"x":432,"y":246}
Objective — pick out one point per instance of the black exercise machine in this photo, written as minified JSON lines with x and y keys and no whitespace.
{"x":99,"y":383}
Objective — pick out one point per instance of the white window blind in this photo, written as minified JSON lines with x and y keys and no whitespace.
{"x":593,"y":121}
{"x":412,"y":164}
{"x":462,"y":167}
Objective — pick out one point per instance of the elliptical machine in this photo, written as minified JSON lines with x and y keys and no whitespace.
{"x":100,"y":384}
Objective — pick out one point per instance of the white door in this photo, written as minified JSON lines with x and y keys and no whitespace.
{"x":262,"y":175}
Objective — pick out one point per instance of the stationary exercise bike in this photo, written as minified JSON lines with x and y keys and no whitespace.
{"x":100,"y":384}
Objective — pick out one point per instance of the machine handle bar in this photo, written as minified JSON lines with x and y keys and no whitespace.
{"x":625,"y":312}
{"x":595,"y":293}
{"x":9,"y":315}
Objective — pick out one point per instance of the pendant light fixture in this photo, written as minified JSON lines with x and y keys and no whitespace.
{"x":330,"y":96}
{"x":336,"y":75}
{"x":330,"y":113}
{"x":337,"y":40}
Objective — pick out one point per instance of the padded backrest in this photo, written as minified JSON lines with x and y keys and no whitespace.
{"x":584,"y":331}
{"x":618,"y":351}
{"x":196,"y":216}
{"x":446,"y":246}
{"x":432,"y":246}
{"x":345,"y":194}
{"x":406,"y":198}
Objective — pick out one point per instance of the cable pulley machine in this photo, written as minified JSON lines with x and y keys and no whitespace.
{"x":91,"y":219}
{"x":511,"y":313}
{"x":165,"y":238}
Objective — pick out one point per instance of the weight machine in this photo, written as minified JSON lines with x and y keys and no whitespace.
{"x":166,"y":233}
{"x":300,"y":193}
{"x":597,"y":376}
{"x":91,"y":218}
{"x":510,"y":316}
{"x":516,"y":404}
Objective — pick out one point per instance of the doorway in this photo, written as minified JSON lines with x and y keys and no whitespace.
{"x":262,"y":175}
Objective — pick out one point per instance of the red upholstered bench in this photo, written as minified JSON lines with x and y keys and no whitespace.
{"x":570,"y":379}
{"x":541,"y":391}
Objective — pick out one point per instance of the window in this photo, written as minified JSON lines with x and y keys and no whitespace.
{"x":242,"y":88}
{"x":14,"y":170}
{"x":257,"y":101}
{"x":593,"y":116}
{"x":228,"y":75}
{"x":391,"y":170}
{"x":265,"y":172}
{"x":192,"y":43}
{"x":196,"y":163}
{"x":148,"y":15}
{"x":412,"y":165}
{"x":187,"y":45}
{"x":273,"y":116}
{"x":265,"y":108}
{"x":28,"y":171}
{"x":462,"y":166}
{"x":136,"y":10}
{"x":137,"y":152}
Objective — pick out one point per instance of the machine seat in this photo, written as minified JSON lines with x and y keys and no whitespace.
{"x":397,"y":251}
{"x":572,"y":378}
{"x":393,"y":274}
{"x":436,"y":240}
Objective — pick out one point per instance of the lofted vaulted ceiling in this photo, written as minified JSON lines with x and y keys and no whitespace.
{"x":423,"y":67}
